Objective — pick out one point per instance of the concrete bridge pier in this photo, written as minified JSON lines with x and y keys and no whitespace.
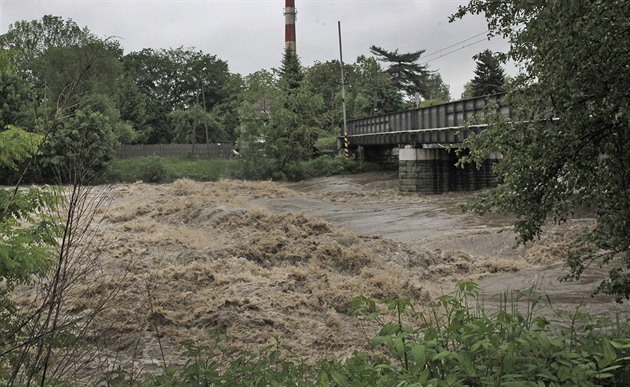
{"x":433,"y":171}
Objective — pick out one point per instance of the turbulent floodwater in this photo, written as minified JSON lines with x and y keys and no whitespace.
{"x":264,"y":261}
{"x":370,"y":203}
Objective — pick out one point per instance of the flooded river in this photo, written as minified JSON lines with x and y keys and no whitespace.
{"x":263,"y":261}
{"x":370,"y":204}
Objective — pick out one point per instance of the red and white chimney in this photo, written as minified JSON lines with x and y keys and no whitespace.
{"x":289,"y":24}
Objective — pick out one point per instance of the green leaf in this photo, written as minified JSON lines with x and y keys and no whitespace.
{"x":399,"y":346}
{"x":389,"y":329}
{"x":418,"y":354}
{"x":465,"y":363}
{"x":339,"y":378}
{"x":440,"y":355}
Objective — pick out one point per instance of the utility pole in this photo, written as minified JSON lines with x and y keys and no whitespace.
{"x":343,"y":97}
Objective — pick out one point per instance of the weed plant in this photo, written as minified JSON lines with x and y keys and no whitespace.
{"x":454,"y":343}
{"x":459,"y":343}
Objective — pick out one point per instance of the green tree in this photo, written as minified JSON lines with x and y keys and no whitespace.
{"x":279,"y":125}
{"x":409,"y":76}
{"x":82,"y":148}
{"x":195,"y":126}
{"x":468,"y":91}
{"x":176,"y":79}
{"x":326,"y":80}
{"x":17,"y":144}
{"x":489,"y":75}
{"x":131,"y":106}
{"x":437,"y":91}
{"x":371,"y":90}
{"x":28,"y":236}
{"x":567,"y":143}
{"x":16,"y":103}
{"x":70,"y":73}
{"x":27,"y":40}
{"x":79,"y":77}
{"x":291,"y":72}
{"x":45,"y":233}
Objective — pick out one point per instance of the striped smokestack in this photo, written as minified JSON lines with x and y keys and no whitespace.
{"x":289,"y":24}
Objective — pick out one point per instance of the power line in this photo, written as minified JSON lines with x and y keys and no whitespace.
{"x":457,"y":49}
{"x":456,"y":44}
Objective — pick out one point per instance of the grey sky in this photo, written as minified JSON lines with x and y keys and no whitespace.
{"x":249,"y":35}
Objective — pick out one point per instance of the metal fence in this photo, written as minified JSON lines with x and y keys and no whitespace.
{"x":200,"y":151}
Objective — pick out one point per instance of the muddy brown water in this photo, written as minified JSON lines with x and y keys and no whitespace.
{"x":437,"y":221}
{"x":263,"y":260}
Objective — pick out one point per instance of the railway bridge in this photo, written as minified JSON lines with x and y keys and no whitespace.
{"x":421,"y":139}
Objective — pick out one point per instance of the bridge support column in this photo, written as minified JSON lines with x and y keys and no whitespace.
{"x":433,"y":171}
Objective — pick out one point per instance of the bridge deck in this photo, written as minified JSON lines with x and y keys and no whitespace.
{"x":438,"y":124}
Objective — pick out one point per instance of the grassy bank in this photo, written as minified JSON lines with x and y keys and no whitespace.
{"x":154,"y":169}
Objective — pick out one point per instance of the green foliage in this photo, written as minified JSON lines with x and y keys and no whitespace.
{"x":458,"y":343}
{"x":489,"y":75}
{"x":326,"y":143}
{"x":216,"y":365}
{"x":67,"y":68}
{"x":29,"y":39}
{"x":437,"y":90}
{"x":566,"y":146}
{"x":17,"y":144}
{"x":131,"y":106}
{"x":407,"y":74}
{"x":79,"y":77}
{"x":325,"y":79}
{"x":82,"y":148}
{"x":279,"y":124}
{"x":369,"y":90}
{"x":28,"y":234}
{"x":70,"y":76}
{"x":154,"y":169}
{"x":29,"y":231}
{"x":325,"y":166}
{"x":468,"y":91}
{"x":16,"y":104}
{"x":174,"y":80}
{"x":291,"y":72}
{"x":195,"y":126}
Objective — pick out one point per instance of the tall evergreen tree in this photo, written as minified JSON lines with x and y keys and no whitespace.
{"x":489,"y":75}
{"x":408,"y":76}
{"x":291,"y":73}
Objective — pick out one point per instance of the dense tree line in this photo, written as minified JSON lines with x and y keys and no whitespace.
{"x":85,"y":95}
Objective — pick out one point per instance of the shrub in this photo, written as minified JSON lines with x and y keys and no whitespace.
{"x":154,"y":171}
{"x":83,"y":146}
{"x":459,"y":343}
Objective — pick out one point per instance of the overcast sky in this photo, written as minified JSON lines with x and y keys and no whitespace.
{"x":249,"y":35}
